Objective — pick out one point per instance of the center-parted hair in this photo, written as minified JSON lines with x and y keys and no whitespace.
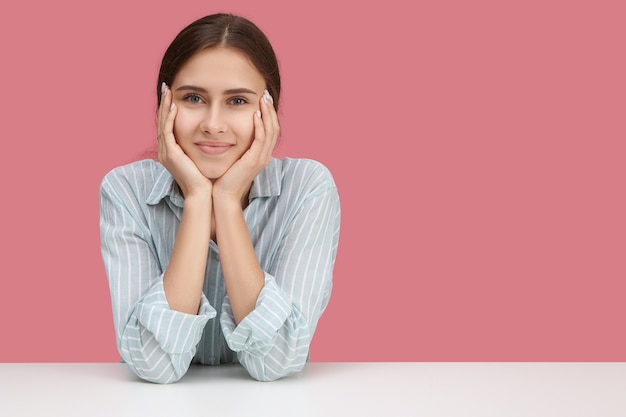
{"x":222,"y":30}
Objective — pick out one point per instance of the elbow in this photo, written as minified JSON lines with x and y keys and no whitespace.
{"x":167,"y":377}
{"x":159,"y":380}
{"x":162,"y":371}
{"x":268,"y":370}
{"x":274,"y":375}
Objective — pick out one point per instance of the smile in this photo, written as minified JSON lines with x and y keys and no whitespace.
{"x":213,"y":149}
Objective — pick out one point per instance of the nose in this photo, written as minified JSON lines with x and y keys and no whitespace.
{"x":213,"y":121}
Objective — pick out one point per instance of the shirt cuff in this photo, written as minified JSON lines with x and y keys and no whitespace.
{"x":176,"y":332}
{"x":257,"y":332}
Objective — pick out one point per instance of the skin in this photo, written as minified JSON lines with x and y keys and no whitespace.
{"x":217,"y":130}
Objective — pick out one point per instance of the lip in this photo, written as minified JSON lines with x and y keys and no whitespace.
{"x":214,"y":148}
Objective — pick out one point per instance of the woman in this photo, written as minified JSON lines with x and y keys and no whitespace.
{"x":218,"y":253}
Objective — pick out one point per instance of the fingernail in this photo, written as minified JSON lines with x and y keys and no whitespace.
{"x":258,"y":114}
{"x":163,"y":88}
{"x":172,"y":106}
{"x":266,"y":96}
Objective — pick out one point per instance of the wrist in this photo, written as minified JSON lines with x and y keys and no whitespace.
{"x":227,"y":203}
{"x":198,"y":199}
{"x":226,"y":200}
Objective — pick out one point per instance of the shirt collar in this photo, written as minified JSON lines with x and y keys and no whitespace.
{"x":266,"y":184}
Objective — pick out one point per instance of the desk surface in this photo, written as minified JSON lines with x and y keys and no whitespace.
{"x":321,"y":390}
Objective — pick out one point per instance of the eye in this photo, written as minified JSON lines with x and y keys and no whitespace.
{"x":193,"y":98}
{"x":238,"y":101}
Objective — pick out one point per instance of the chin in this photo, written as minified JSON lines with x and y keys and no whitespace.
{"x":212,"y":173}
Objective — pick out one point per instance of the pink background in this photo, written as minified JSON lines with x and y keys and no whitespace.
{"x":478,"y":147}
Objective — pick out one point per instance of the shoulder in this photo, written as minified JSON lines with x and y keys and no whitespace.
{"x":137,"y":177}
{"x":305,"y":175}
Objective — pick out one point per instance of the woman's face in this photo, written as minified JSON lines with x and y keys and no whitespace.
{"x":217,"y":92}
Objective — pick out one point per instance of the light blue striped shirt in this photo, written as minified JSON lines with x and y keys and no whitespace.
{"x":293,"y":218}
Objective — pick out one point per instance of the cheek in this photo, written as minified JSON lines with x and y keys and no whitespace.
{"x":243,"y":125}
{"x":183,"y":124}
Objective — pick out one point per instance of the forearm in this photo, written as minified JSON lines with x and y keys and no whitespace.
{"x":243,"y":275}
{"x":273,"y":341}
{"x":184,"y":277}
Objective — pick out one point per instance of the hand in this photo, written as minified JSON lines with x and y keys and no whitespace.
{"x":171,"y":155}
{"x":236,"y":182}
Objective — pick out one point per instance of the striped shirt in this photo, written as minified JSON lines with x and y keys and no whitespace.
{"x":293,"y":218}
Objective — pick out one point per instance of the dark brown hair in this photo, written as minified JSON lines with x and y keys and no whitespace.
{"x":223,"y":30}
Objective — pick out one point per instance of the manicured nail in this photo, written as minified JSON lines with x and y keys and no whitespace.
{"x":258,"y":114}
{"x":266,"y":96}
{"x":163,"y":88}
{"x":172,"y":106}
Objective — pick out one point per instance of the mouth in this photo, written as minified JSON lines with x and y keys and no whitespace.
{"x":214,"y":148}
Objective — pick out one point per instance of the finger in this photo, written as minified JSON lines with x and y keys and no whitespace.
{"x":167,"y":141}
{"x":167,"y":134}
{"x":163,"y":106}
{"x":270,"y":122}
{"x":168,"y":127}
{"x":259,"y":141}
{"x":273,"y":113}
{"x":266,"y":110}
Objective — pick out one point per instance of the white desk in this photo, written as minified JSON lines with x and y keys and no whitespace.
{"x":323,"y":389}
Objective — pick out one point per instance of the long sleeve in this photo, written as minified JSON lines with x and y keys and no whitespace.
{"x":157,"y":343}
{"x":274,"y":339}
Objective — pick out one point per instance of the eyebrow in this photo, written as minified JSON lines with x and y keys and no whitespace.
{"x":226,"y":92}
